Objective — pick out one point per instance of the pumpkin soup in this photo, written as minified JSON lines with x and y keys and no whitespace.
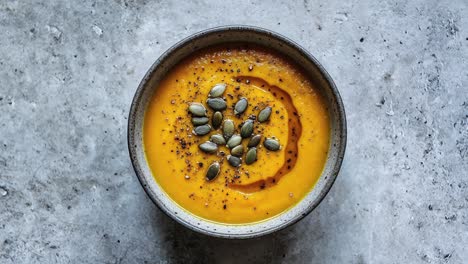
{"x":236,"y":134}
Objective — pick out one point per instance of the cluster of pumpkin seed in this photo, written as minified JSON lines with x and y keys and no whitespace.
{"x":228,"y":137}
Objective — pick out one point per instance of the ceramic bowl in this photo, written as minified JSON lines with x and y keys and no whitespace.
{"x":269,"y":39}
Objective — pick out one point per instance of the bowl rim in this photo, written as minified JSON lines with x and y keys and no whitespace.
{"x":308,"y":56}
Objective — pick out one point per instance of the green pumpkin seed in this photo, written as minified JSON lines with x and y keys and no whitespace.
{"x":217,"y":90}
{"x":234,"y":161}
{"x":271,"y":144}
{"x":198,"y":121}
{"x":217,"y":104}
{"x":254,"y":141}
{"x":213,"y":171}
{"x":228,"y":128}
{"x":208,"y":147}
{"x":234,"y":141}
{"x":197,"y":109}
{"x":241,"y":106}
{"x":264,"y":115}
{"x":202,"y":130}
{"x":247,"y":129}
{"x":218,"y":139}
{"x":251,"y":156}
{"x":217,"y":119}
{"x":237,"y":151}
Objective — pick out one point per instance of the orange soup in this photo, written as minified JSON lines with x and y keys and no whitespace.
{"x":256,"y":92}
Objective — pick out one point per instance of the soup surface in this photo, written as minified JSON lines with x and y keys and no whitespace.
{"x":251,"y":192}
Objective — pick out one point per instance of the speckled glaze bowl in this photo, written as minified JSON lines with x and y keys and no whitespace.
{"x":219,"y":35}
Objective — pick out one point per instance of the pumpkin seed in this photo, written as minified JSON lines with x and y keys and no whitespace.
{"x":264,"y":115}
{"x":234,"y":161}
{"x":218,"y":139}
{"x":217,"y":119}
{"x":198,"y":121}
{"x":202,"y":130}
{"x":217,"y":104}
{"x":237,"y":151}
{"x":251,"y":156}
{"x":213,"y":171}
{"x":254,"y":141}
{"x":208,"y":147}
{"x":228,"y":128}
{"x":271,"y":144}
{"x":197,"y":109}
{"x":241,"y":106}
{"x":234,"y":141}
{"x":217,"y":90}
{"x":247,"y":128}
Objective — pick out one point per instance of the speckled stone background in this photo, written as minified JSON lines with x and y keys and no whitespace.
{"x":68,"y":71}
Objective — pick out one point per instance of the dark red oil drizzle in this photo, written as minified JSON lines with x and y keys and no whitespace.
{"x":291,"y":148}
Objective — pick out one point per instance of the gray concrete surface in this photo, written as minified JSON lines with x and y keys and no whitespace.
{"x":68,"y":71}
